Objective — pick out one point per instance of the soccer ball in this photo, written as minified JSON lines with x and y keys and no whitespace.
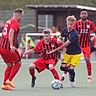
{"x":56,"y":84}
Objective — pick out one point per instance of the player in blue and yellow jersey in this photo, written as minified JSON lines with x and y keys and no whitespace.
{"x":73,"y":52}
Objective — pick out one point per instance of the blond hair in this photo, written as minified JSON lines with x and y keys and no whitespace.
{"x":71,"y":18}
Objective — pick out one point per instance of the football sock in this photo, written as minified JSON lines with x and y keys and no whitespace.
{"x":32,"y":72}
{"x":89,"y":68}
{"x":72,"y":75}
{"x":55,"y":74}
{"x":71,"y":72}
{"x":64,"y":73}
{"x":64,"y":69}
{"x":14,"y":70}
{"x":7,"y":73}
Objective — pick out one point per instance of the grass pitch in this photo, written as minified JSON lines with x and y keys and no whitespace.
{"x":43,"y":81}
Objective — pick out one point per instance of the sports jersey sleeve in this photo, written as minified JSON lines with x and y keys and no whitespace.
{"x":62,"y":33}
{"x":37,"y":48}
{"x":14,"y":25}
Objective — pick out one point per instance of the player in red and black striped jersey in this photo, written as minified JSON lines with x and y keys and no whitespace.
{"x":46,"y":61}
{"x":84,"y":28}
{"x":8,"y":48}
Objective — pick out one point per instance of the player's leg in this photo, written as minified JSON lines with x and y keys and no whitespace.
{"x":64,"y":66}
{"x":86,"y":52}
{"x":14,"y":59}
{"x":72,"y":76}
{"x":50,"y":64}
{"x":63,"y":76}
{"x":6,"y":73}
{"x":14,"y":70}
{"x":32,"y":73}
{"x":7,"y":69}
{"x":71,"y":73}
{"x":89,"y":69}
{"x":6,"y":86}
{"x":62,"y":59}
{"x":73,"y":63}
{"x":10,"y":75}
{"x":39,"y":65}
{"x":54,"y":71}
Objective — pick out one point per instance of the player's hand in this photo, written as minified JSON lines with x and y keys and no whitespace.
{"x":12,"y":48}
{"x":27,"y":52}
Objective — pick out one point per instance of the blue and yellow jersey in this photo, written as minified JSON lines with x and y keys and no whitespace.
{"x":74,"y":47}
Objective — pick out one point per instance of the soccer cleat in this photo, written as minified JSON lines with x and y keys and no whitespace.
{"x":6,"y":87}
{"x":33,"y":81}
{"x":90,"y":79}
{"x":72,"y":84}
{"x":10,"y":83}
{"x":61,"y":86}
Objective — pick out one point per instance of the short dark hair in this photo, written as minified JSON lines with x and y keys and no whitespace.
{"x":46,"y":31}
{"x":18,"y":10}
{"x":83,"y":10}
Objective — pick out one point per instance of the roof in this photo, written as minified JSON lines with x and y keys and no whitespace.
{"x":60,"y":6}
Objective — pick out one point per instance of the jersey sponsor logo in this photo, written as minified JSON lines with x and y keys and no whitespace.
{"x":84,"y":31}
{"x":52,"y":45}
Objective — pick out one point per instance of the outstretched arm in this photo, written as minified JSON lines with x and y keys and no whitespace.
{"x":35,"y":49}
{"x":29,"y":51}
{"x":61,"y":47}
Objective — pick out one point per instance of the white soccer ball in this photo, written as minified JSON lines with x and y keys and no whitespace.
{"x":56,"y":84}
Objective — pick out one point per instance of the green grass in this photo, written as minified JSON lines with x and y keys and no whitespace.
{"x":42,"y":88}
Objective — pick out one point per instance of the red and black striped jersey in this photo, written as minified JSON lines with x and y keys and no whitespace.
{"x":44,"y":48}
{"x":10,"y":24}
{"x":84,"y":29}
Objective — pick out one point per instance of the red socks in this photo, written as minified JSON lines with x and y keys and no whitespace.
{"x":55,"y":74}
{"x":14,"y":70}
{"x":32,"y":72}
{"x":7,"y":73}
{"x":89,"y":69}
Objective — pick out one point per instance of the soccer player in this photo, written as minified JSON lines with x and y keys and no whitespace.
{"x":73,"y":52}
{"x":84,"y":28}
{"x":45,"y":61}
{"x":8,"y":48}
